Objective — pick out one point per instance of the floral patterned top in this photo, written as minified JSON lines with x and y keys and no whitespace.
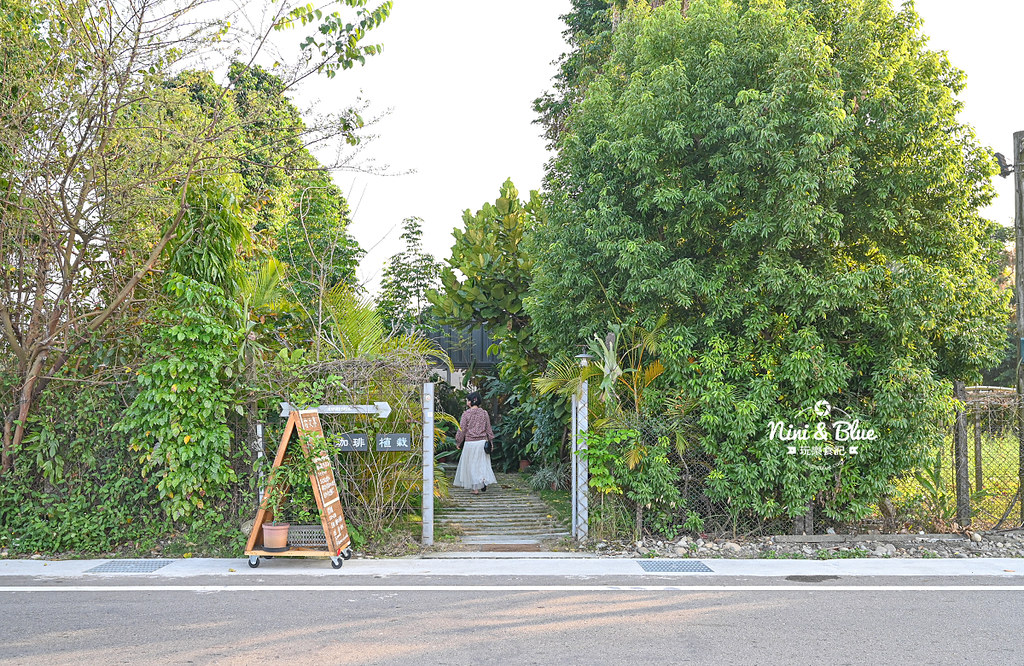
{"x":474,"y":425}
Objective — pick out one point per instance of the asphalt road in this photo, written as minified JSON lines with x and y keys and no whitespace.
{"x":506,"y":620}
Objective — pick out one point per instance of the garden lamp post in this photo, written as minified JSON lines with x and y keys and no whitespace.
{"x":580,"y":470}
{"x":1017,"y":169}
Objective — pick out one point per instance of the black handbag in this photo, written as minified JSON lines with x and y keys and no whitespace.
{"x":487,"y":447}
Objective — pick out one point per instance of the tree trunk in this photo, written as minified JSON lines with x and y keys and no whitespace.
{"x":24,"y":406}
{"x":5,"y":457}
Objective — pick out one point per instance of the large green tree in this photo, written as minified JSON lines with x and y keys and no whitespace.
{"x":790,"y":184}
{"x":494,"y":274}
{"x":588,"y":29}
{"x":408,"y":276}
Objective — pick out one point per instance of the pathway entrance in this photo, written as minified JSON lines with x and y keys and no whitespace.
{"x":507,"y":517}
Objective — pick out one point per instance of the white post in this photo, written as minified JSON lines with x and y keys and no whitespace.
{"x":582,"y":472}
{"x":428,"y":464}
{"x":575,"y":467}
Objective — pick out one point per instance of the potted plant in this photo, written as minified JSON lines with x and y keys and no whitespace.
{"x":281,"y":480}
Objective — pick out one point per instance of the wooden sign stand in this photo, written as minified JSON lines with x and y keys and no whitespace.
{"x":325,"y":491}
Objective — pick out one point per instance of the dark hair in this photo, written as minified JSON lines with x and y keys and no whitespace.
{"x":474,"y":398}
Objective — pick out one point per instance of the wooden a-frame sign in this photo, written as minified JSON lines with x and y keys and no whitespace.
{"x":325,"y":491}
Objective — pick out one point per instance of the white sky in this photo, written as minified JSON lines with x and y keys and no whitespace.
{"x":460,"y":77}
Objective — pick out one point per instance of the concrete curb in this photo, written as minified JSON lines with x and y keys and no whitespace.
{"x":516,"y":565}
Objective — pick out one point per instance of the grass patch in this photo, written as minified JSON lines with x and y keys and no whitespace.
{"x":999,"y":481}
{"x":559,"y":503}
{"x":853,"y":553}
{"x":776,"y":555}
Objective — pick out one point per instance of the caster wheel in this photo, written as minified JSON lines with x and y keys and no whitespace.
{"x":347,"y":553}
{"x":337,"y":563}
{"x":254,"y":562}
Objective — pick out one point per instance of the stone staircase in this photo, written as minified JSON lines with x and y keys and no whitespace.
{"x":507,"y":516}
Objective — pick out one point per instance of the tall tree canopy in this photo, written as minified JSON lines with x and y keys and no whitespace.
{"x":496,"y":272}
{"x":789,"y":183}
{"x":101,"y":139}
{"x":408,"y":276}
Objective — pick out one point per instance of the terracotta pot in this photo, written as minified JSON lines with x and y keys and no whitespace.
{"x":523,"y":464}
{"x":275,"y":536}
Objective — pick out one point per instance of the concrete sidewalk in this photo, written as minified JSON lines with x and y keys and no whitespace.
{"x":509,"y":564}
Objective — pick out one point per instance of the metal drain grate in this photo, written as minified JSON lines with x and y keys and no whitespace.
{"x":129,"y":566}
{"x":674,"y":566}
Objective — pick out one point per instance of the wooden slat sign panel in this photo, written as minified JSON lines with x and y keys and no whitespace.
{"x":325,"y":489}
{"x":394,"y":441}
{"x":354,"y":442}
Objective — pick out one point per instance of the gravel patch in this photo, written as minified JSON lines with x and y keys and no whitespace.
{"x":1007,"y":543}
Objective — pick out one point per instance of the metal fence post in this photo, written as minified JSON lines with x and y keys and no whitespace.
{"x":979,"y":477}
{"x":575,"y":467}
{"x":1018,"y":288}
{"x":960,"y":460}
{"x":581,"y":522}
{"x":428,"y":464}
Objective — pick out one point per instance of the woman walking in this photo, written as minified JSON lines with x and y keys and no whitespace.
{"x":474,"y":471}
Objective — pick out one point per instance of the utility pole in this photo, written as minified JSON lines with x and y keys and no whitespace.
{"x":1018,"y":286}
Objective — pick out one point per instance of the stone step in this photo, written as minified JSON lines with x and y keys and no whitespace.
{"x":497,"y":518}
{"x":484,"y":497}
{"x":497,"y":515}
{"x":509,"y":529}
{"x":484,"y":519}
{"x":550,"y":534}
{"x":498,"y":538}
{"x":497,"y":522}
{"x":503,"y":524}
{"x":496,"y":501}
{"x":496,"y":507}
{"x":503,"y":513}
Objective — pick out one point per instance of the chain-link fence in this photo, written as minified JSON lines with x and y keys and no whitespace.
{"x":625,"y":484}
{"x":649,"y":475}
{"x":993,"y":449}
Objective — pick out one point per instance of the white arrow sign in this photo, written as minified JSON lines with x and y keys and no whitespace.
{"x":380,"y":409}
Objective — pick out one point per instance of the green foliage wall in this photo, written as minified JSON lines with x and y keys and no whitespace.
{"x":178,"y":421}
{"x":78,"y":487}
{"x":790,"y":184}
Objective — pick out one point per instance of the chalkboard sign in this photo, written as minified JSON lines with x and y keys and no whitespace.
{"x":353,"y":442}
{"x":325,"y":490}
{"x":394,"y":442}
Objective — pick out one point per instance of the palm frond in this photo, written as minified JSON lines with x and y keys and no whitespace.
{"x":634,"y":455}
{"x":418,"y":345}
{"x":447,"y":418}
{"x":653,"y":371}
{"x":564,"y":377}
{"x":355,"y":328}
{"x":262,"y":286}
{"x":651,"y":338}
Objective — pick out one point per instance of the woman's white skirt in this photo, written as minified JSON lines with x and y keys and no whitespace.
{"x":474,"y":471}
